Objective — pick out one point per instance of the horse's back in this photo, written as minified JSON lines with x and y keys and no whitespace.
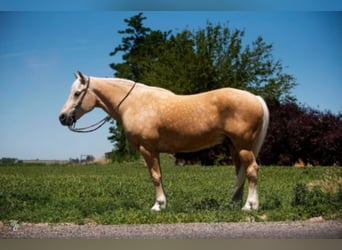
{"x":200,"y":112}
{"x":221,"y":103}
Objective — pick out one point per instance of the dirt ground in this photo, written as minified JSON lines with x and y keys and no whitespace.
{"x":312,"y":229}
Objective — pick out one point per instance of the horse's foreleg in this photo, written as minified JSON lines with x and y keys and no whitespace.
{"x":248,"y":161}
{"x":153,"y":163}
{"x":237,"y":192}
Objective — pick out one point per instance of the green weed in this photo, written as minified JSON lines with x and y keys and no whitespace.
{"x":315,"y":202}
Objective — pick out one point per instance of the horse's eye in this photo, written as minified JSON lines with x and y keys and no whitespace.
{"x":77,"y":93}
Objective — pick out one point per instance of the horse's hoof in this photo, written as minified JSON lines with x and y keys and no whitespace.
{"x":155,"y":208}
{"x":158,"y":207}
{"x":250,"y":206}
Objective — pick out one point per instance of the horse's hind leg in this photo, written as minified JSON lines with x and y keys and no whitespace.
{"x":237,"y":192}
{"x":249,"y":163}
{"x":153,"y":162}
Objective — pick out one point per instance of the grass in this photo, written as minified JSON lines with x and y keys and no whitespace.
{"x":124,"y":194}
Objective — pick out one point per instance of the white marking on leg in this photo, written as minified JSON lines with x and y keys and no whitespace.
{"x":160,"y":203}
{"x":252,"y":200}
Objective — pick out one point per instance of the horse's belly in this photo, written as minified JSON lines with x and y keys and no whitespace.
{"x":188,"y":142}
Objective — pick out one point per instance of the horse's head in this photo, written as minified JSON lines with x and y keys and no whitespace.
{"x":81,"y":100}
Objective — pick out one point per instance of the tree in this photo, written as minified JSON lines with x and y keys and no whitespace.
{"x":214,"y":57}
{"x":130,"y":68}
{"x":195,"y":61}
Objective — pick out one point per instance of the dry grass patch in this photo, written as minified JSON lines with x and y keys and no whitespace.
{"x":330,"y":182}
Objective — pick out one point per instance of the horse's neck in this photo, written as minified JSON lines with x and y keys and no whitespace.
{"x":110,"y":91}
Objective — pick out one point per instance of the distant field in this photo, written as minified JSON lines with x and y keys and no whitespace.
{"x":124,"y":194}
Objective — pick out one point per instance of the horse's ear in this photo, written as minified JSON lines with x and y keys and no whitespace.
{"x":81,"y":76}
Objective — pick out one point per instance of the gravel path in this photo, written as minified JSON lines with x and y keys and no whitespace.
{"x":246,"y":230}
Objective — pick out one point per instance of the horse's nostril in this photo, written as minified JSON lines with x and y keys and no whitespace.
{"x":62,"y":118}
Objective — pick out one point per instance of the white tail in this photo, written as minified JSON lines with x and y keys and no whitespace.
{"x":262,"y":134}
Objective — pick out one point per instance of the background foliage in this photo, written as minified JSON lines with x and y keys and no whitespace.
{"x":189,"y":62}
{"x":298,"y":132}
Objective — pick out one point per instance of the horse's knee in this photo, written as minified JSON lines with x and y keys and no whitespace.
{"x":252,"y":172}
{"x":248,"y":161}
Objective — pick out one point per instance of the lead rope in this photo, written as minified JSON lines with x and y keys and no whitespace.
{"x":123,"y":99}
{"x":91,"y":127}
{"x":101,"y":122}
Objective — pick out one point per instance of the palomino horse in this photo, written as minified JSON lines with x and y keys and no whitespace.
{"x":156,"y":120}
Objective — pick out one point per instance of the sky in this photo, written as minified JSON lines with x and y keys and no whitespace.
{"x":40,"y":51}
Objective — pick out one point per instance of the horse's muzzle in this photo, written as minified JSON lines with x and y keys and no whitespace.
{"x":66,"y":120}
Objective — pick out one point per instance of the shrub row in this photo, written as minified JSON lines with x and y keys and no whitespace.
{"x":301,"y":133}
